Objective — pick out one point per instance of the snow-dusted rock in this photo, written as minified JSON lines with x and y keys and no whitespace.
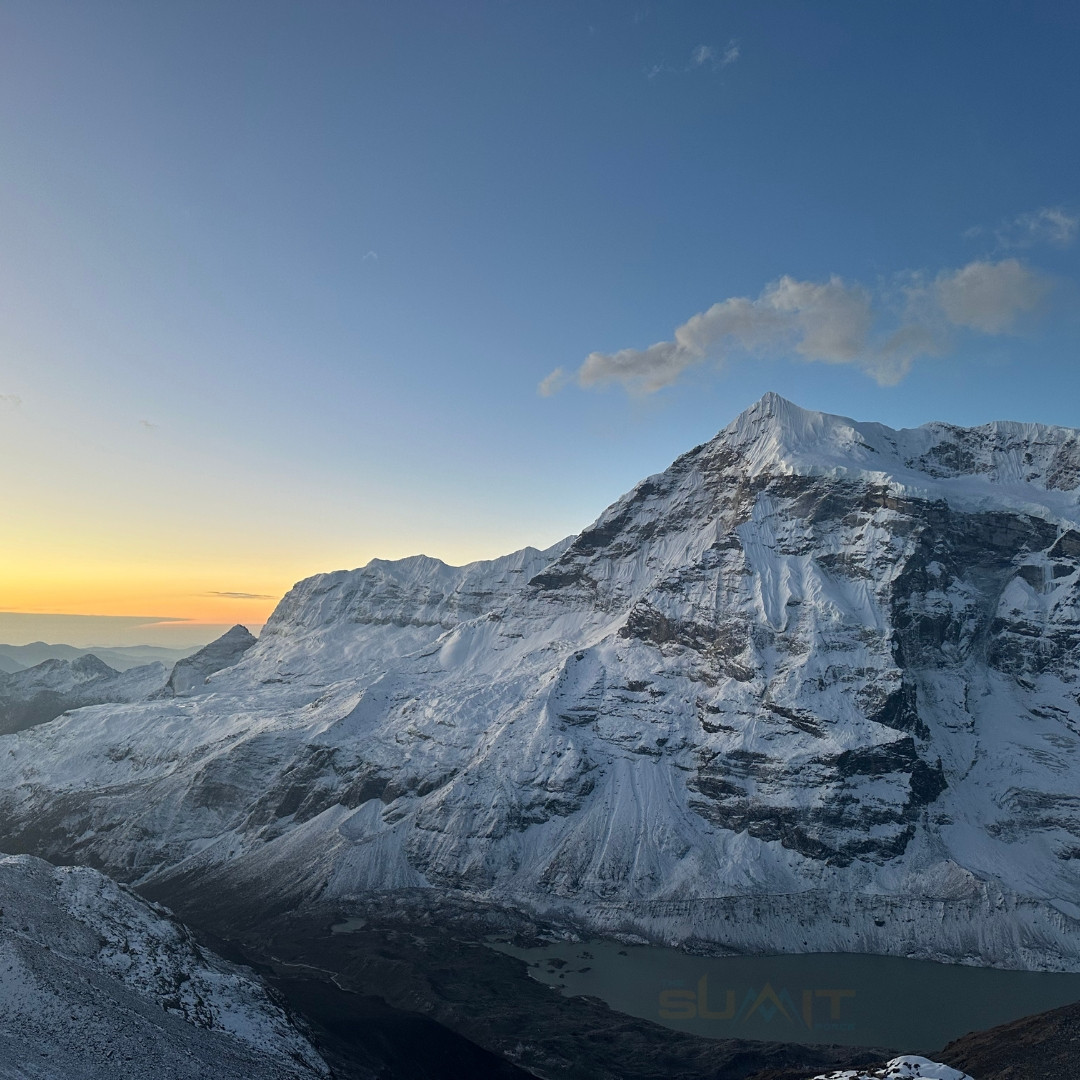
{"x":35,"y":695}
{"x":97,"y":984}
{"x":901,"y":1068}
{"x":190,"y":674}
{"x":814,"y":687}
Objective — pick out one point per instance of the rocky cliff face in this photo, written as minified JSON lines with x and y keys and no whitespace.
{"x":813,"y":687}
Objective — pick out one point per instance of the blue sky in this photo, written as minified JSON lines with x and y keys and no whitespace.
{"x":279,"y":281}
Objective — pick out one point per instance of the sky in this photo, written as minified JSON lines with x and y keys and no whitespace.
{"x":288,"y":286}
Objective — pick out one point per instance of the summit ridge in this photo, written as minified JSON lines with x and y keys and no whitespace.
{"x":1031,"y":467}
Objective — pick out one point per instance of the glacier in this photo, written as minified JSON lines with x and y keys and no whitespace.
{"x":812,"y":688}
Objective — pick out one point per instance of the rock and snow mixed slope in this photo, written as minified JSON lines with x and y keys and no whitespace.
{"x":189,"y":675}
{"x":35,"y":695}
{"x":99,"y":985}
{"x":38,"y":694}
{"x":901,"y":1068}
{"x":812,"y":688}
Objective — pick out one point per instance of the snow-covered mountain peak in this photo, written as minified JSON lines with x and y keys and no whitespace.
{"x":417,"y":591}
{"x":36,"y":694}
{"x":91,"y":667}
{"x":810,"y":683}
{"x":1030,"y":468}
{"x":774,"y":432}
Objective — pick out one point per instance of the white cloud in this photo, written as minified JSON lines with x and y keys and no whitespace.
{"x":11,"y":400}
{"x":829,"y":322}
{"x":552,"y":383}
{"x":702,"y":56}
{"x":989,"y":296}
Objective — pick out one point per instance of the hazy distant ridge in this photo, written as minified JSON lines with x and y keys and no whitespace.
{"x":118,"y":657}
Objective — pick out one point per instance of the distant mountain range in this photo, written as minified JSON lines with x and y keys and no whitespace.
{"x":75,"y":678}
{"x":120,"y":658}
{"x":812,"y":688}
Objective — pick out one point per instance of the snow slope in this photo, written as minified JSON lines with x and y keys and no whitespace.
{"x":901,"y":1068}
{"x":814,"y":687}
{"x":95,"y":983}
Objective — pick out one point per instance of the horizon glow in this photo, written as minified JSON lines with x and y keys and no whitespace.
{"x":279,"y":283}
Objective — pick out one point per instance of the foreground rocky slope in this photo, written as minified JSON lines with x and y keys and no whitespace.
{"x":812,"y":688}
{"x":1046,"y":1047}
{"x":95,"y":983}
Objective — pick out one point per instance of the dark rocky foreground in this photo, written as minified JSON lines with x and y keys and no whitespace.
{"x":1043,"y":1047}
{"x":415,"y":995}
{"x":361,"y":1037}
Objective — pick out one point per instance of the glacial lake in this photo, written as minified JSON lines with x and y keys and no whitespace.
{"x":914,"y":1006}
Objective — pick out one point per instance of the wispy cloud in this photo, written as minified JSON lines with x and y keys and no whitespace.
{"x":372,"y":255}
{"x":12,"y":401}
{"x":702,"y":55}
{"x":242,"y":595}
{"x":833,"y":322}
{"x":1053,"y":225}
{"x":715,"y":58}
{"x":731,"y":53}
{"x":148,"y":425}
